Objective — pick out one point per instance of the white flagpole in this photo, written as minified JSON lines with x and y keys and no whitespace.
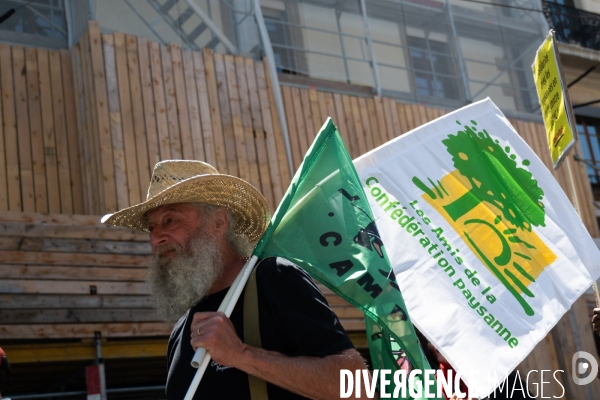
{"x":202,"y":357}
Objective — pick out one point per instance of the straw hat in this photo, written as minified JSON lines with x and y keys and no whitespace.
{"x":182,"y":181}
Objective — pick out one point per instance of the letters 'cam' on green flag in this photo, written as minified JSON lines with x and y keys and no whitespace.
{"x":325,"y":225}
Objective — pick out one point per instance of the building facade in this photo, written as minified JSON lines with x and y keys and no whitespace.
{"x":95,"y":92}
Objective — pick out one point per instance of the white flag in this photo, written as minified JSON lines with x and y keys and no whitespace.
{"x":487,"y":249}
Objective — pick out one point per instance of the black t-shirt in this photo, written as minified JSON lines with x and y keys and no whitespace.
{"x":294,"y":319}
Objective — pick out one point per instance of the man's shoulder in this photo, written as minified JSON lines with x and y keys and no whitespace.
{"x":277,"y":268}
{"x":178,"y":326}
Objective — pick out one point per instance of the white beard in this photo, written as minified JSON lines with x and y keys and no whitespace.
{"x":179,"y":282}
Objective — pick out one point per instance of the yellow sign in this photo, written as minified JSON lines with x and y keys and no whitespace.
{"x":554,"y":100}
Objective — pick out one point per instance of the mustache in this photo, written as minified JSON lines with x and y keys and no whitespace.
{"x":160,"y":250}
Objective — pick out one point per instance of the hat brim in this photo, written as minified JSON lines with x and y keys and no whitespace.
{"x":248,"y":206}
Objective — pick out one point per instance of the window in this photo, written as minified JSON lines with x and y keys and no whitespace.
{"x":40,"y":22}
{"x":434,"y":71}
{"x":589,"y":137}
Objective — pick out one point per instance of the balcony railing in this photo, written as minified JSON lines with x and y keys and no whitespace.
{"x":573,"y":25}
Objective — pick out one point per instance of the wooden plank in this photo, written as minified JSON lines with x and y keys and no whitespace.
{"x":205,"y":110}
{"x":64,"y":331}
{"x":422,"y":113}
{"x":226,"y":119}
{"x":215,"y":110}
{"x":10,"y":243}
{"x":10,"y":129}
{"x":71,"y":273}
{"x":352,"y":143}
{"x":382,"y":136}
{"x":300,"y":125}
{"x":430,"y":113}
{"x":351,"y":139}
{"x":126,"y":114}
{"x":248,"y":83}
{"x":330,"y":105}
{"x":403,"y":118}
{"x":315,"y":109}
{"x":584,"y":329}
{"x":87,"y":161}
{"x":182,"y":103}
{"x":48,"y":132}
{"x":323,"y":107}
{"x":585,"y":193}
{"x":79,"y":118}
{"x":246,"y":119}
{"x":77,"y":188}
{"x":81,"y":259}
{"x":116,"y":127}
{"x":151,"y":132}
{"x":89,"y":123}
{"x":60,"y":133}
{"x":340,"y":118}
{"x":282,"y":156}
{"x":23,"y":130}
{"x":309,"y":123}
{"x":160,"y":106}
{"x":565,"y":348}
{"x":387,"y":113}
{"x":239,"y":136}
{"x":275,"y":148}
{"x":189,"y":74}
{"x":290,"y":116}
{"x":84,"y":350}
{"x":71,"y":287}
{"x":373,"y":125}
{"x":171,"y":103}
{"x":91,"y":142}
{"x":3,"y":166}
{"x":395,"y":118}
{"x":586,"y":204}
{"x":414,"y":110}
{"x":66,"y":231}
{"x":121,"y":247}
{"x":68,"y":316}
{"x":74,"y":245}
{"x":358,"y":126}
{"x":353,"y":324}
{"x":104,"y":136}
{"x":48,"y":301}
{"x":346,"y":312}
{"x":70,"y":220}
{"x":137,"y":110}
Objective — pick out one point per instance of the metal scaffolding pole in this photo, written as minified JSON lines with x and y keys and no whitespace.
{"x":363,"y":8}
{"x":262,"y":28}
{"x":461,"y":63}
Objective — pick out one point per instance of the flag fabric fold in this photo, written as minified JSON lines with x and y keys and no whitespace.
{"x":489,"y":239}
{"x":325,"y":225}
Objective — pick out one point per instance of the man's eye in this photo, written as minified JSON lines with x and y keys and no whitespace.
{"x":150,"y":228}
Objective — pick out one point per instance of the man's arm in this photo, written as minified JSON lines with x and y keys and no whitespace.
{"x":313,"y":377}
{"x":596,"y":321}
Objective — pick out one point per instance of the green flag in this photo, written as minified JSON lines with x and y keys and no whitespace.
{"x":325,"y":225}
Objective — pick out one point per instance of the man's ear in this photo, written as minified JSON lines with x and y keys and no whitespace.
{"x":221,"y":221}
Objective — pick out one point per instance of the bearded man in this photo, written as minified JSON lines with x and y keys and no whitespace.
{"x":203,"y":227}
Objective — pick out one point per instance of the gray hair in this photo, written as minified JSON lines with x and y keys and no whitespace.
{"x":238,"y":242}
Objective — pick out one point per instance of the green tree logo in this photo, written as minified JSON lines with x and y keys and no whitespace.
{"x":514,"y":205}
{"x":495,"y":178}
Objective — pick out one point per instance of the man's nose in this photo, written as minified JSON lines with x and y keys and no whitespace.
{"x":158,"y":237}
